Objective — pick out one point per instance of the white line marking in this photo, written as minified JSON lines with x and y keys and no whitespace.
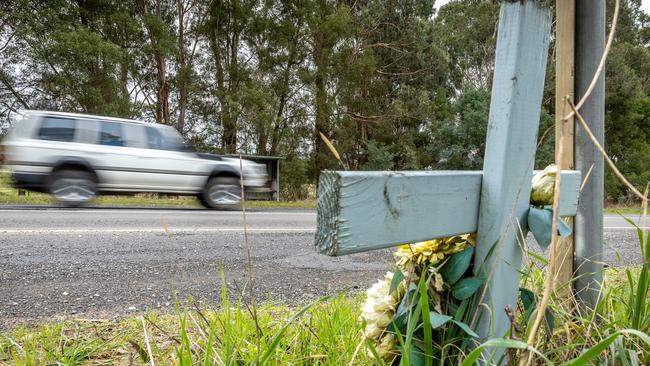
{"x":154,"y":230}
{"x":624,"y":228}
{"x":191,"y":230}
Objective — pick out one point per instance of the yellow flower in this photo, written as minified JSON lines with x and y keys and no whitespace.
{"x":432,"y":251}
{"x":543,"y":186}
{"x":439,"y":282}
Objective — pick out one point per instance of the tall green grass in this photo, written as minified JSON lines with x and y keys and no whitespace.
{"x":321,"y":333}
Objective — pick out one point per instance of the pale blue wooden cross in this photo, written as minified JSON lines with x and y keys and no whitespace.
{"x":362,"y":211}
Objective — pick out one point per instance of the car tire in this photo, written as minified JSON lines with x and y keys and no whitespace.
{"x":73,"y":188}
{"x":221,"y":193}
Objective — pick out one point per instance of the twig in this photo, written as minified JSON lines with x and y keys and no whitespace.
{"x":161,"y":330}
{"x":550,"y":276}
{"x":146,"y":340}
{"x":248,"y":254}
{"x":609,"y":161}
{"x":356,"y":350}
{"x":644,"y":218}
{"x":163,"y":222}
{"x":586,"y":178}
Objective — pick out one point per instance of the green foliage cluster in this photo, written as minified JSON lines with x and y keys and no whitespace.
{"x":393,"y":84}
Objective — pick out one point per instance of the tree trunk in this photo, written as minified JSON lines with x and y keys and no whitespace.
{"x":162,"y":85}
{"x":182,"y":81}
{"x":320,"y":154}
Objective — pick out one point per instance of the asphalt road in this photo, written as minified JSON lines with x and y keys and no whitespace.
{"x":99,"y":262}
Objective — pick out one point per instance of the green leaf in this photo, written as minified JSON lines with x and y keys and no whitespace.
{"x":597,"y":349}
{"x":437,"y":320}
{"x":466,"y":328}
{"x":529,"y":300}
{"x":460,"y":310}
{"x":457,"y":265}
{"x":550,"y":320}
{"x":398,"y":277}
{"x":466,"y":287}
{"x":398,"y":324}
{"x":416,"y":356}
{"x":426,"y":316}
{"x":471,"y":359}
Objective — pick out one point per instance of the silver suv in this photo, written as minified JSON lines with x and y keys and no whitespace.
{"x":76,"y":156}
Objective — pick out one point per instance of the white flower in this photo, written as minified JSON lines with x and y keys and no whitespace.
{"x":386,"y":348}
{"x":543,"y":186}
{"x":378,"y":312}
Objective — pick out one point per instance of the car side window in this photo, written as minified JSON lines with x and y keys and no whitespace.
{"x":154,"y":138}
{"x":87,"y":131}
{"x":111,"y":134}
{"x":135,"y":136}
{"x":57,"y":129}
{"x":158,"y":140}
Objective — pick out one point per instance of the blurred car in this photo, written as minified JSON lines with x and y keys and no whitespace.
{"x":76,"y":157}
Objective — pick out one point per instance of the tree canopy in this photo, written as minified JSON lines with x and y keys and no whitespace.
{"x":393,"y":84}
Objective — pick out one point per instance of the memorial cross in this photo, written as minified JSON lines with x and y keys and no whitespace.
{"x":360,"y":211}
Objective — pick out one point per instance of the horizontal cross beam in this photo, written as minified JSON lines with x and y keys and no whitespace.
{"x":361,"y":211}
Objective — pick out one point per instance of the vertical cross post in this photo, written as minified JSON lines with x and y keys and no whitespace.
{"x":520,"y":68}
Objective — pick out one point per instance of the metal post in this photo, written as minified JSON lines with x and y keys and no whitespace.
{"x":590,"y":44}
{"x":277,"y":180}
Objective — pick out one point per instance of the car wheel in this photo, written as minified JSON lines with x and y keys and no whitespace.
{"x":221,"y":193}
{"x":73,"y":188}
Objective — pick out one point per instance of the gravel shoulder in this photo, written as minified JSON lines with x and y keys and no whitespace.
{"x":96,"y":263}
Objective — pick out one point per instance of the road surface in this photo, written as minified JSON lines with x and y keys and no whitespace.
{"x":100,"y":262}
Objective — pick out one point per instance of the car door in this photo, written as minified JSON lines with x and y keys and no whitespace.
{"x":119,"y":159}
{"x":180,"y":169}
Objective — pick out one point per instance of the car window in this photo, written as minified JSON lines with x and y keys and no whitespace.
{"x":165,"y":138}
{"x":87,"y":131}
{"x":111,"y":134}
{"x":57,"y":129}
{"x":135,"y":135}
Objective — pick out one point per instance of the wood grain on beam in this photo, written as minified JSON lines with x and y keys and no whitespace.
{"x":564,"y":79}
{"x":517,"y":89}
{"x":362,"y":211}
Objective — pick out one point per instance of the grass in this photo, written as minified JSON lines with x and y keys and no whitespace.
{"x":325,"y":334}
{"x":322,"y":333}
{"x":9,"y":195}
{"x":622,"y":210}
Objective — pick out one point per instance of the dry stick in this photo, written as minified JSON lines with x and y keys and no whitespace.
{"x":356,"y":350}
{"x":550,"y":277}
{"x":248,"y":253}
{"x":602,"y":151}
{"x":601,"y":65}
{"x":146,"y":339}
{"x":644,"y":223}
{"x":586,"y":178}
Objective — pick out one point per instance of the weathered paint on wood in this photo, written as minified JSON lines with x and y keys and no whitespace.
{"x":569,"y":192}
{"x":518,"y":83}
{"x":362,"y":211}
